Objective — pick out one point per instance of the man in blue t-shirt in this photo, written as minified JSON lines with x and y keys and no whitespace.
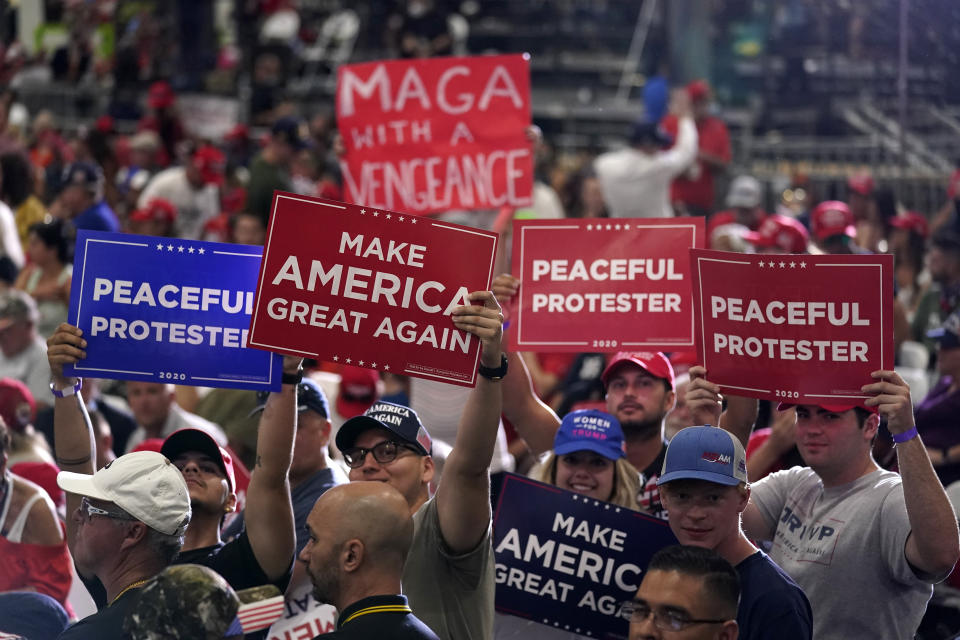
{"x":704,"y":488}
{"x":81,"y":199}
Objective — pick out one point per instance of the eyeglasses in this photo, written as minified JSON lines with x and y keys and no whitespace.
{"x":663,"y":619}
{"x":88,"y":511}
{"x":384,"y":452}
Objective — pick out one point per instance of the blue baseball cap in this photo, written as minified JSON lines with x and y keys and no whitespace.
{"x":397,"y":419}
{"x":310,"y":395}
{"x":590,"y":430}
{"x":705,"y":453}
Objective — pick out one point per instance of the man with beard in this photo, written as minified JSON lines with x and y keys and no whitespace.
{"x":360,"y":534}
{"x":639,"y":393}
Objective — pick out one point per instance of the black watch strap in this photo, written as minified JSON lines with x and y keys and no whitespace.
{"x":494,"y":373}
{"x":292,"y":378}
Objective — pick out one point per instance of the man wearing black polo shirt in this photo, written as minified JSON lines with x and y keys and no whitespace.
{"x":360,"y":534}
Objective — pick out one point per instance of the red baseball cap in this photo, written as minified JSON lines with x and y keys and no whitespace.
{"x":17,"y":406}
{"x":911,"y":221}
{"x":160,"y":95}
{"x":158,"y":209}
{"x":832,"y":218}
{"x":358,"y":391}
{"x":656,"y":364}
{"x":861,"y":183}
{"x":211,"y":162}
{"x":781,"y":232}
{"x":189,"y":439}
{"x":698,"y":90}
{"x":835,"y":408}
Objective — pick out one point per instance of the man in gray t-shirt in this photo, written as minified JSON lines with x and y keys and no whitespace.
{"x":448,"y":577}
{"x":850,"y":533}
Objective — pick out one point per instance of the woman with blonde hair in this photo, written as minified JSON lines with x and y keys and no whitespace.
{"x":588,"y":459}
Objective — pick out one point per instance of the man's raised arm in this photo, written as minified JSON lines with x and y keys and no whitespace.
{"x":268,"y":516}
{"x":74,"y":444}
{"x":463,"y":498}
{"x":933,"y":544}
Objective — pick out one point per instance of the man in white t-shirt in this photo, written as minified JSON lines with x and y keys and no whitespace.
{"x":636,"y":180}
{"x":192,"y":188}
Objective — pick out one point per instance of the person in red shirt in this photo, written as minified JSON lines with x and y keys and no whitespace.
{"x":692,"y":191}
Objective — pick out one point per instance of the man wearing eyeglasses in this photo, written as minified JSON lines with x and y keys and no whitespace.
{"x":266,"y":552}
{"x":448,"y":576}
{"x":688,"y":593}
{"x":128,"y":521}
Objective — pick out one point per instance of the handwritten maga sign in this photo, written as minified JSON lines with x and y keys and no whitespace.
{"x":431,"y":135}
{"x":604,"y":285}
{"x":568,"y":561}
{"x":167,"y":310}
{"x":369,"y":287}
{"x":808,"y":329}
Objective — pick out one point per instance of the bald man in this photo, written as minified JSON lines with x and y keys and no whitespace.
{"x":360,"y":534}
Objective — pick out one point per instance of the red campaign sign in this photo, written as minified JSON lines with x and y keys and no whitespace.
{"x":431,"y":135}
{"x":369,"y":287}
{"x":796,"y":328}
{"x":604,"y":285}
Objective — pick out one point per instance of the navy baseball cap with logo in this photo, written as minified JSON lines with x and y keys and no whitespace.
{"x":705,"y":453}
{"x":397,"y":419}
{"x":310,"y":395}
{"x":590,"y":430}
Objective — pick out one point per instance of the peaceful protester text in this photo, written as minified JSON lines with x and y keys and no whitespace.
{"x":167,"y":310}
{"x":566,"y":560}
{"x":604,"y":285}
{"x":798,"y":328}
{"x":369,"y":287}
{"x":426,"y":136}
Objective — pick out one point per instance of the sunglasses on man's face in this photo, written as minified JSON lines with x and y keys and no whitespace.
{"x":87,"y":510}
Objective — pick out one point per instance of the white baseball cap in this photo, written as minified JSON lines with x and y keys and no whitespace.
{"x":145,"y":484}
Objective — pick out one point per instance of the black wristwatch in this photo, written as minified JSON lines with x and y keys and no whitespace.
{"x":292,"y":378}
{"x":491,"y":373}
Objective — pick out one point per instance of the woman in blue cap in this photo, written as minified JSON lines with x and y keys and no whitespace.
{"x":588,"y":459}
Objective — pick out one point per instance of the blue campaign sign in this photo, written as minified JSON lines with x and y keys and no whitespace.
{"x":566,"y":560}
{"x":168,"y":310}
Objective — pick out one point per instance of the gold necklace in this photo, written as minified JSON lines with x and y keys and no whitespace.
{"x":138,"y":583}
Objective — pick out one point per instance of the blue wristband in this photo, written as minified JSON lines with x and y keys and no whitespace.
{"x":900,"y":438}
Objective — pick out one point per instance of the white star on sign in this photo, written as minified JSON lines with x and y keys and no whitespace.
{"x":782,"y":264}
{"x":376,"y":213}
{"x":200,"y":251}
{"x":401,"y":218}
{"x":191,"y":249}
{"x":180,"y":249}
{"x":626,"y":226}
{"x":363,"y":211}
{"x":360,"y":363}
{"x":589,"y":227}
{"x":770,"y":264}
{"x":609,"y":226}
{"x":336,"y":358}
{"x":160,"y":247}
{"x":803,"y":265}
{"x":413,"y":221}
{"x":349,"y":360}
{"x":617,"y":227}
{"x":169,"y":247}
{"x":386,"y":367}
{"x":793,"y":265}
{"x":373,"y":365}
{"x":761,"y":264}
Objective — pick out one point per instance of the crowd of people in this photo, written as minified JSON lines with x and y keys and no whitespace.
{"x":371,"y":492}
